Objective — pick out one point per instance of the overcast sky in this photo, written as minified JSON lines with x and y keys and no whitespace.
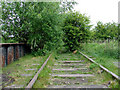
{"x":99,"y":10}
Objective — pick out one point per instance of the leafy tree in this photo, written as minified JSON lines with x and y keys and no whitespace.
{"x":106,"y":31}
{"x":92,"y":35}
{"x":76,"y":30}
{"x":112,"y":30}
{"x":35,"y":23}
{"x":13,"y":20}
{"x":67,"y":6}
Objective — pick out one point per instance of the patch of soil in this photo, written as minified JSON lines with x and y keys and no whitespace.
{"x":6,"y":80}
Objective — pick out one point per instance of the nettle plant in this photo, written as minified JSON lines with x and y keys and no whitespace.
{"x":76,"y":29}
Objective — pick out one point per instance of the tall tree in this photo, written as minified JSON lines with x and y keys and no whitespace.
{"x":106,"y":31}
{"x":35,"y":23}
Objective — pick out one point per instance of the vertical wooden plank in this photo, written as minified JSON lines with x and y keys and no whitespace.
{"x":17,"y":52}
{"x":11,"y":52}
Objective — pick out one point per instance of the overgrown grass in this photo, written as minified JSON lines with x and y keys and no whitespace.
{"x":44,"y":78}
{"x":15,"y":69}
{"x":105,"y":54}
{"x":18,"y":67}
{"x":101,"y":77}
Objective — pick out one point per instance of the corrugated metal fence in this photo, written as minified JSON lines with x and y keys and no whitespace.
{"x":10,"y":52}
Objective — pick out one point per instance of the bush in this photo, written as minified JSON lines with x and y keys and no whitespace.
{"x":76,"y":30}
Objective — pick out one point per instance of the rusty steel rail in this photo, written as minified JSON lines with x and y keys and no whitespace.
{"x":36,"y":75}
{"x":105,"y":69}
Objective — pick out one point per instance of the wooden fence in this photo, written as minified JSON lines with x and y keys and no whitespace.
{"x":10,"y":52}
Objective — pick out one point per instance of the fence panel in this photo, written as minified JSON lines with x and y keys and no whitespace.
{"x":10,"y":52}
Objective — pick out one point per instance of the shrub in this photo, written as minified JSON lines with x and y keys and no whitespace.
{"x":76,"y":30}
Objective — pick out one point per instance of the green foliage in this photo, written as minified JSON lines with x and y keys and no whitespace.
{"x":34,"y":23}
{"x":111,"y":50}
{"x":9,"y":41}
{"x":67,"y":6}
{"x":46,"y":32}
{"x":92,"y":66}
{"x":76,"y":30}
{"x":104,"y":53}
{"x":106,"y":31}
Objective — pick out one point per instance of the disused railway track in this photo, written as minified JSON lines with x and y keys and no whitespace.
{"x":69,"y":64}
{"x":105,"y":69}
{"x":31,"y":83}
{"x":68,"y":75}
